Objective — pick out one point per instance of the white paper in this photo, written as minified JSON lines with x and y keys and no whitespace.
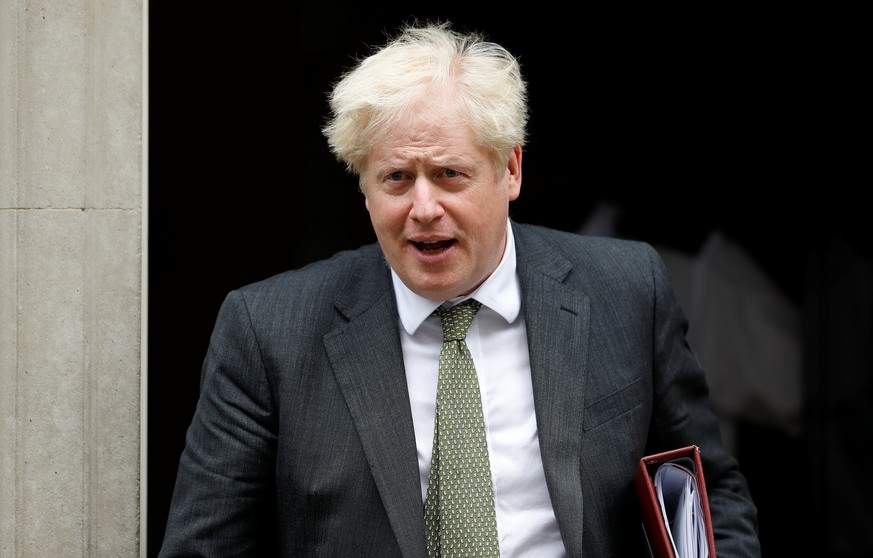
{"x":676,"y":486}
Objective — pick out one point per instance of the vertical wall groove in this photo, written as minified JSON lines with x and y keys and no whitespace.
{"x":9,"y":161}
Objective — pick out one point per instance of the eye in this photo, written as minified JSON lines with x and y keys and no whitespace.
{"x":450,"y":173}
{"x":396,"y":176}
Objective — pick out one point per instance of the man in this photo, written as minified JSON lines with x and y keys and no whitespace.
{"x":322,"y":427}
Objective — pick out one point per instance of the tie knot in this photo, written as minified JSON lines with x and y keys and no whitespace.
{"x":457,"y":319}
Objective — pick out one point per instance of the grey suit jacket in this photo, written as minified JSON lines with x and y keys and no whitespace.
{"x":302,"y":443}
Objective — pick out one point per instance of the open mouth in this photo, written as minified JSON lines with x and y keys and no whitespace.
{"x":433,"y":247}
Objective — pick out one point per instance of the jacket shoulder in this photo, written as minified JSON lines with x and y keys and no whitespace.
{"x":583,"y":248}
{"x":321,"y":281}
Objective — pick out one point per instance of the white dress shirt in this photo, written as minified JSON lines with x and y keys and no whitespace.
{"x":497,"y":340}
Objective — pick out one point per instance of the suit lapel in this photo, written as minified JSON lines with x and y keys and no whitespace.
{"x":368,"y":364}
{"x":557,"y":320}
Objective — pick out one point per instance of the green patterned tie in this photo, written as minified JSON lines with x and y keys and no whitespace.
{"x":459,"y":506}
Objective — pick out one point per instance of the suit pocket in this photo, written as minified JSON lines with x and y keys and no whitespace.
{"x":615,"y":404}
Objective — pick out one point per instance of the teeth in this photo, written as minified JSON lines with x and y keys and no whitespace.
{"x":431,"y":247}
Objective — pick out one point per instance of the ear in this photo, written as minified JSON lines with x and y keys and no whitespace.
{"x":513,"y":173}
{"x":362,"y":189}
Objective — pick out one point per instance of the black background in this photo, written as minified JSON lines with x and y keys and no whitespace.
{"x":746,"y":122}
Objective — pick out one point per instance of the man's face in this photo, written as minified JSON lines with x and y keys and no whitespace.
{"x":437,"y":205}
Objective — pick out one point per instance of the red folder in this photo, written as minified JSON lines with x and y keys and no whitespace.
{"x":654,"y":524}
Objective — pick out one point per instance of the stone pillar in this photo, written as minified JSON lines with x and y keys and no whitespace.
{"x":71,"y":276}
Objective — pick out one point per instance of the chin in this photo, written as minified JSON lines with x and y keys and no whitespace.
{"x":435,"y":293}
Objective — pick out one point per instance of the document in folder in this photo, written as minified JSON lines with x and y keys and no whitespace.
{"x":671,"y":490}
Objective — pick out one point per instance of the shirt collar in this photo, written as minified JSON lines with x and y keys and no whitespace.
{"x":501,"y":292}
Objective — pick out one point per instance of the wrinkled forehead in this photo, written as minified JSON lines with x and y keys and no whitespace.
{"x":429,"y":120}
{"x":429,"y":143}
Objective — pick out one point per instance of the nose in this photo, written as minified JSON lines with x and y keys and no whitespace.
{"x":426,"y":201}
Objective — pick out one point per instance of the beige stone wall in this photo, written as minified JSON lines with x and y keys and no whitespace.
{"x":71,"y":270}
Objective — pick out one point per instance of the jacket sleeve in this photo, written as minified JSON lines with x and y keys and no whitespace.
{"x":681,"y":416}
{"x":223,"y":501}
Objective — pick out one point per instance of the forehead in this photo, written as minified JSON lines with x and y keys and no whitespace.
{"x":433,"y":133}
